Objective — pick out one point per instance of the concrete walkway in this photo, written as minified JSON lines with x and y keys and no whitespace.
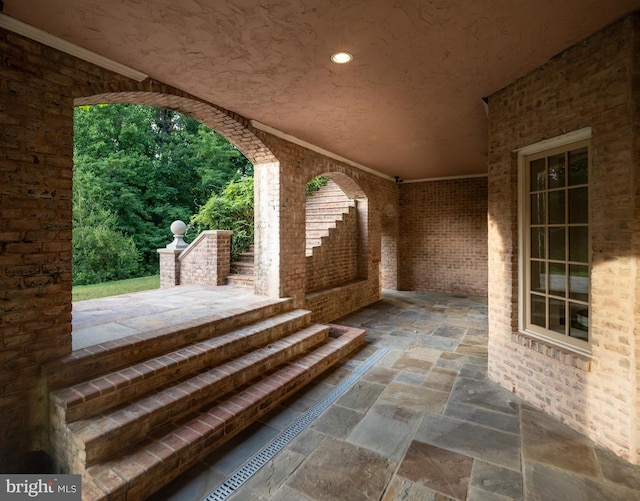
{"x":424,"y":424}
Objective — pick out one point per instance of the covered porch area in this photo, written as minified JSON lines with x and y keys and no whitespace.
{"x":418,"y":413}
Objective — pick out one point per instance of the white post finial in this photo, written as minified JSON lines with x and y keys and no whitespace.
{"x":178,"y":228}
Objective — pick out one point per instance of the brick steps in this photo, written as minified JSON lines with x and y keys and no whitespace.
{"x":93,"y":360}
{"x":166,"y":455}
{"x":99,"y":438}
{"x":241,"y":280}
{"x":132,"y":429}
{"x":242,"y":270}
{"x":325,"y":209}
{"x":319,"y":225}
{"x":243,"y":267}
{"x":326,"y":195}
{"x":328,"y":208}
{"x":97,"y":394}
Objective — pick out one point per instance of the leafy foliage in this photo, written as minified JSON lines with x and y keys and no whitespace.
{"x":315,"y":184}
{"x":100,"y":251}
{"x":136,"y":170}
{"x":230,"y":210}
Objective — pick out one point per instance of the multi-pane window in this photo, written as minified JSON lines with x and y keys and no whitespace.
{"x":556,"y":243}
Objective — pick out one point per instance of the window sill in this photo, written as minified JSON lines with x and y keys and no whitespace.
{"x":572,"y":356}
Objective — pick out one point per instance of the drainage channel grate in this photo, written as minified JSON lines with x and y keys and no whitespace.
{"x":251,"y":467}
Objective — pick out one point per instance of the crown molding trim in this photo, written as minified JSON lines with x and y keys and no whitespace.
{"x":445,"y":178}
{"x":16,"y":26}
{"x":317,"y":149}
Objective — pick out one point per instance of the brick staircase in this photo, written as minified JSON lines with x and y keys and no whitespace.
{"x":324,"y":209}
{"x":242,"y":269}
{"x":133,"y":417}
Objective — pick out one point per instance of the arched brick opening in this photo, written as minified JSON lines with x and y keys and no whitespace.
{"x":347,"y":184}
{"x":343,"y":257}
{"x":354,"y":191}
{"x":236,"y":130}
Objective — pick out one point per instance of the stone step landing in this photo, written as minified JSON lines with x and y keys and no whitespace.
{"x":243,"y":270}
{"x":131,"y":428}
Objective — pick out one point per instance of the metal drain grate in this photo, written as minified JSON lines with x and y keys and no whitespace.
{"x":246,"y":471}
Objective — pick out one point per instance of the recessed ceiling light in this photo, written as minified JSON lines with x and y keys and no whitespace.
{"x":341,"y":57}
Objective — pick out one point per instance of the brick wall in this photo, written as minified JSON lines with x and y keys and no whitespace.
{"x":635,"y":228}
{"x":591,"y":84}
{"x":207,"y":259}
{"x":390,"y":234}
{"x":36,"y":145}
{"x":443,"y":236}
{"x":283,"y":188}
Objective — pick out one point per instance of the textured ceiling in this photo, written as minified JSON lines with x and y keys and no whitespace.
{"x":409,"y":104}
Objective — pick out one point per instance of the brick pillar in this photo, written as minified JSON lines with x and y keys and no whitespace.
{"x":222,"y":242}
{"x":267,"y":229}
{"x":169,"y":267}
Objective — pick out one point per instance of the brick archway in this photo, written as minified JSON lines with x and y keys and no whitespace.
{"x":236,"y":129}
{"x":353,"y":190}
{"x":233,"y":127}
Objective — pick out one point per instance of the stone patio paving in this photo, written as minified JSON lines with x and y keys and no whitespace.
{"x":424,"y":424}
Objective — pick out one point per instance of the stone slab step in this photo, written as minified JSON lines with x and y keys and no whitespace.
{"x":321,"y":217}
{"x":102,"y":437}
{"x":245,"y":257}
{"x":323,"y":209}
{"x":317,"y":234}
{"x":92,"y":361}
{"x":243,"y":267}
{"x":241,"y":280}
{"x":319,"y":225}
{"x":162,"y":458}
{"x":328,"y":202}
{"x":103,"y":392}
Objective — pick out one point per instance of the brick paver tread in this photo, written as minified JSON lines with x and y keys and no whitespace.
{"x":161,"y":459}
{"x":89,"y":362}
{"x":103,"y":435}
{"x":97,"y":394}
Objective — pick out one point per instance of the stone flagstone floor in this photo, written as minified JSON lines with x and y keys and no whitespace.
{"x":424,"y":424}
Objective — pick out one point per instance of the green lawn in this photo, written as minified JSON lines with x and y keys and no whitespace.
{"x":82,"y":292}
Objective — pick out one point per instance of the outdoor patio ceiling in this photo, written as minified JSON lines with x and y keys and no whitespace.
{"x":409,"y":104}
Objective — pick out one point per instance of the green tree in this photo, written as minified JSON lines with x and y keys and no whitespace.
{"x":232,"y":209}
{"x":148,"y":167}
{"x":101,"y":252}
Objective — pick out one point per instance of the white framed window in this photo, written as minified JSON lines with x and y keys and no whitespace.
{"x":555,"y":251}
